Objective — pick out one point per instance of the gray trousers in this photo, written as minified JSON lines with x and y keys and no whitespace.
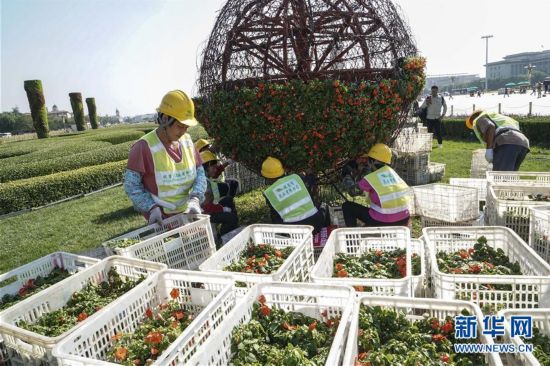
{"x":508,"y":158}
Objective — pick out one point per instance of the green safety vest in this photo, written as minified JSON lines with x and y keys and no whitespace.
{"x":290,"y":198}
{"x":391,"y":190}
{"x":174,"y":180}
{"x":215,"y":190}
{"x":499,"y":120}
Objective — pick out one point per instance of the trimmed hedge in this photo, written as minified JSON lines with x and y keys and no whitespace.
{"x":12,"y":172}
{"x":119,"y":137}
{"x":34,"y":192}
{"x":537,"y":132}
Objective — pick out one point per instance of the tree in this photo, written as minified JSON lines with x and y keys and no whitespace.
{"x":37,"y":104}
{"x":78,"y":110}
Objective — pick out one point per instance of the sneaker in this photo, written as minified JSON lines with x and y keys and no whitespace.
{"x":441,"y":146}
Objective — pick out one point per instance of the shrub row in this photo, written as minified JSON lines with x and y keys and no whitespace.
{"x":119,"y":137}
{"x":12,"y":172}
{"x":34,"y":192}
{"x":537,"y":132}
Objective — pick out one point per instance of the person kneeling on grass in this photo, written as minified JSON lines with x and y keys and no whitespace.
{"x":218,"y":204}
{"x":288,"y":198}
{"x":387,"y":192}
{"x":164,"y":175}
{"x":214,"y":173}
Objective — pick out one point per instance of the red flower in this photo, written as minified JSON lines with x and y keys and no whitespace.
{"x":82,"y":316}
{"x":435,"y":324}
{"x":438,"y":337}
{"x":154,"y":337}
{"x":261,"y":299}
{"x":149,"y":313}
{"x":179,"y":315}
{"x":313,"y":325}
{"x":154,"y":351}
{"x":342,"y":273}
{"x":474,"y":268}
{"x":447,"y":327}
{"x":175,"y":293}
{"x":22,"y":291}
{"x":265,"y":310}
{"x":444,"y":358}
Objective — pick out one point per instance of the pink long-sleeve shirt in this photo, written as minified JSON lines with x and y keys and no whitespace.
{"x":366,"y":187}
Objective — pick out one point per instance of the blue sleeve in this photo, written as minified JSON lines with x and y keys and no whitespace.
{"x":199,"y":186}
{"x":133,"y":186}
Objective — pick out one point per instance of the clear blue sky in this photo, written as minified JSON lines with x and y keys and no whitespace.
{"x":127,"y":53}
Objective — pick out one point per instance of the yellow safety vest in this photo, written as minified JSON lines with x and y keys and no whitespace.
{"x":174,"y":180}
{"x":390,"y":188}
{"x":290,"y":198}
{"x":213,"y":183}
{"x":501,"y":122}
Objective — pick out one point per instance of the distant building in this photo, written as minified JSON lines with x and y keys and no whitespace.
{"x":143,"y":118}
{"x":56,"y":113}
{"x":514,"y":65}
{"x":449,"y":80}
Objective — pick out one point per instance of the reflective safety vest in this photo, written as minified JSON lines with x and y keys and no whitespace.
{"x":215,"y":190}
{"x":290,"y":198}
{"x":502,"y":124}
{"x":391,"y":190}
{"x":174,"y":180}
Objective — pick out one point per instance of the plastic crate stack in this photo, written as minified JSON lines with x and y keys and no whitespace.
{"x":412,"y":158}
{"x":539,"y":231}
{"x":447,"y":205}
{"x":478,"y":183}
{"x":479,"y":166}
{"x":248,"y":180}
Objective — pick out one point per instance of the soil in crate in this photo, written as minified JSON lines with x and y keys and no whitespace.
{"x":375,"y":264}
{"x":386,"y":337}
{"x":260,"y":259}
{"x":160,"y":327}
{"x":33,"y":285}
{"x":81,"y":305}
{"x":276,"y":337}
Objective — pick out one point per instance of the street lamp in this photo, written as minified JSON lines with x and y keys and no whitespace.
{"x":486,"y":60}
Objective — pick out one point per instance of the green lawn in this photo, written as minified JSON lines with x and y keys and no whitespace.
{"x":84,"y":223}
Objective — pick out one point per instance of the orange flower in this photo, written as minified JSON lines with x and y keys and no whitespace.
{"x":179,"y":315}
{"x":154,"y":337}
{"x":175,"y":293}
{"x":174,"y":324}
{"x":278,"y":253}
{"x":287,"y":326}
{"x":339,"y":266}
{"x":82,"y":316}
{"x":342,"y":273}
{"x":261,"y":299}
{"x":154,"y":351}
{"x":359,"y":288}
{"x":121,"y":353}
{"x":116,"y":337}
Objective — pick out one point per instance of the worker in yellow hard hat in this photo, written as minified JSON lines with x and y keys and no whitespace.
{"x":164,"y":175}
{"x":218,"y":203}
{"x":387,"y":193}
{"x":202,"y":145}
{"x":289,"y":199}
{"x":505,"y":146}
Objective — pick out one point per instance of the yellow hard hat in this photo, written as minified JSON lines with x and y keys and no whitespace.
{"x":272,"y":168}
{"x":207,"y":156}
{"x":470,"y":119}
{"x":178,"y":105}
{"x":380,"y":152}
{"x":199,"y":144}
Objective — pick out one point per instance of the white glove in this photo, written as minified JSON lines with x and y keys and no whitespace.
{"x":155,"y":216}
{"x":193,"y":206}
{"x":227,"y":209}
{"x":489,"y":155}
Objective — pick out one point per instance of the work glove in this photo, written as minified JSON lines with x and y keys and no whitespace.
{"x":155,"y":216}
{"x":227,"y":210}
{"x":489,"y":155}
{"x":193,"y":206}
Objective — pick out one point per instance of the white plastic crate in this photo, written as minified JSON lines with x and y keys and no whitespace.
{"x":429,"y":222}
{"x":539,"y":231}
{"x":414,"y":310}
{"x":16,"y":278}
{"x":414,"y":177}
{"x":29,"y":348}
{"x":540,"y":319}
{"x":410,"y":141}
{"x":208,"y":296}
{"x":478,"y":183}
{"x":437,"y":171}
{"x":248,"y":180}
{"x":318,"y":301}
{"x":411,"y":161}
{"x":508,"y":205}
{"x":530,"y":290}
{"x":296,"y":267}
{"x":523,"y":178}
{"x":418,"y":282}
{"x":446,"y":202}
{"x":183,"y":247}
{"x":479,"y":166}
{"x":356,"y":241}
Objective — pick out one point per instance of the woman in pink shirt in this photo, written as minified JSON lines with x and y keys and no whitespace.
{"x":387,"y":193}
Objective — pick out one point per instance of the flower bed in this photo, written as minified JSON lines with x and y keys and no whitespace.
{"x":493,"y":280}
{"x":260,"y":259}
{"x":307,"y":324}
{"x":402,"y":331}
{"x":164,"y":324}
